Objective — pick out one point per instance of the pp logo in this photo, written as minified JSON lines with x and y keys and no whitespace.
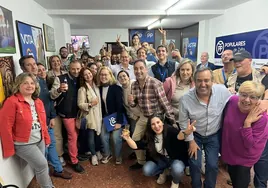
{"x":260,"y":47}
{"x":112,"y":121}
{"x":220,"y":47}
{"x":149,"y":34}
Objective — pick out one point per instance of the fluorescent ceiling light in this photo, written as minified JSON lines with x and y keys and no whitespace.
{"x":168,"y":10}
{"x":154,"y":24}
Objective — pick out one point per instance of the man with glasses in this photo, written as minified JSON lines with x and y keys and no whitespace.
{"x":244,"y":72}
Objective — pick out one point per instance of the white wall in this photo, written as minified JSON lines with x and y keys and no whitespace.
{"x":62,"y":33}
{"x":98,"y":37}
{"x":246,"y":17}
{"x":13,"y":170}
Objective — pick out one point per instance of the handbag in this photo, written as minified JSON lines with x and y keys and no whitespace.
{"x":81,"y":122}
{"x":110,"y":121}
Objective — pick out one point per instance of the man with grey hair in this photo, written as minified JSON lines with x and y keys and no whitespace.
{"x":204,"y":62}
{"x":205,"y":104}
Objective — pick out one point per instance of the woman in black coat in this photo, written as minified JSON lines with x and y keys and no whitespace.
{"x":167,"y":148}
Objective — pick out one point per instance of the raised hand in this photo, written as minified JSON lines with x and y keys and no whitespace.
{"x":254,"y":115}
{"x":118,"y":38}
{"x":162,"y":31}
{"x":190,"y":128}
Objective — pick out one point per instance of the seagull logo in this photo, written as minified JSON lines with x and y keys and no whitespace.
{"x":220,"y":47}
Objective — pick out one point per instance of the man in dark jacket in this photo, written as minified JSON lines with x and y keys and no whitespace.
{"x":64,"y":91}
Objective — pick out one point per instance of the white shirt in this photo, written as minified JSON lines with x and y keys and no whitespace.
{"x":117,"y":68}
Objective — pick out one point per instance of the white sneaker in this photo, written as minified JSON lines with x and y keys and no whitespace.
{"x":162,"y":178}
{"x":118,"y":161}
{"x":94,"y":160}
{"x":63,"y":163}
{"x":99,"y":155}
{"x":174,"y":185}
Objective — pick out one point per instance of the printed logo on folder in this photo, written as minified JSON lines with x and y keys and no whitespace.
{"x":110,"y":121}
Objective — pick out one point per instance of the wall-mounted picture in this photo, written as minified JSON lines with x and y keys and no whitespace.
{"x":7,"y":39}
{"x":49,"y":38}
{"x":7,"y":71}
{"x":31,"y":41}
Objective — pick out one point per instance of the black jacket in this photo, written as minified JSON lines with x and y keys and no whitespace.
{"x":114,"y":102}
{"x":176,"y":149}
{"x":67,"y":101}
{"x":210,"y":65}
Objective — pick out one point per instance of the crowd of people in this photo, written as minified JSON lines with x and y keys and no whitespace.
{"x":171,"y":112}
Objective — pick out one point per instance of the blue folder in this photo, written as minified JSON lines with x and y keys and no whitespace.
{"x":110,"y":121}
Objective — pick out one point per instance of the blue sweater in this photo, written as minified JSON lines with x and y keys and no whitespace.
{"x":48,"y":102}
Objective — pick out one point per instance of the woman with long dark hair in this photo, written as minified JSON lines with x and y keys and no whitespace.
{"x":166,"y":146}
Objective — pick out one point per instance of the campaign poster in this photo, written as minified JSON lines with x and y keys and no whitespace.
{"x":31,"y":41}
{"x":189,"y":48}
{"x":255,"y":42}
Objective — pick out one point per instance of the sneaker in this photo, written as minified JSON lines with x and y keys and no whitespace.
{"x":88,"y":153}
{"x":94,"y":160}
{"x":99,"y":155}
{"x":162,"y":178}
{"x":187,"y":171}
{"x":63,"y":163}
{"x":106,"y":159}
{"x":118,"y":161}
{"x":63,"y":174}
{"x":82,"y":158}
{"x":174,"y":185}
{"x":78,"y":168}
{"x":136,"y":166}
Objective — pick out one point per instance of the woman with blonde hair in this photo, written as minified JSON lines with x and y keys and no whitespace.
{"x":89,"y":103}
{"x":111,"y":103}
{"x":55,"y":69}
{"x":24,"y":130}
{"x":179,"y":83}
{"x":244,"y":132}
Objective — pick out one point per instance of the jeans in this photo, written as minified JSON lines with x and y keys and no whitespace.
{"x":51,"y":152}
{"x":34,"y":155}
{"x":211,"y":146}
{"x":261,"y":170}
{"x":240,"y":176}
{"x":116,"y":138}
{"x":151,"y":168}
{"x":94,"y":141}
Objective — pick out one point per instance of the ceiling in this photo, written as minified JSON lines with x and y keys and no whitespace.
{"x":94,"y":14}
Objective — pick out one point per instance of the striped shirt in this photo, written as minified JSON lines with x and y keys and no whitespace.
{"x":208,"y":116}
{"x":152,"y":98}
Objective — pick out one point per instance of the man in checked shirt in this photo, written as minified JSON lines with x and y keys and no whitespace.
{"x":148,"y":93}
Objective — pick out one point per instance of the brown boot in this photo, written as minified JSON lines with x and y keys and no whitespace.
{"x":64,"y":174}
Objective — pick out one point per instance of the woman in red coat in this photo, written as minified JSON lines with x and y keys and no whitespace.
{"x":23,"y":129}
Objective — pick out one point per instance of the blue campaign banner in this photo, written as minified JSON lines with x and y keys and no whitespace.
{"x":31,"y":41}
{"x":256,"y":42}
{"x":145,"y":35}
{"x":190,"y":48}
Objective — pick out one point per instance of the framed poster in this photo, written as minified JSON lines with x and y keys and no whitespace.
{"x":7,"y":39}
{"x":7,"y":71}
{"x":189,"y":49}
{"x":49,"y":38}
{"x":31,"y":41}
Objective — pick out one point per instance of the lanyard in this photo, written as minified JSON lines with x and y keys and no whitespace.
{"x":223,"y":74}
{"x":162,"y":74}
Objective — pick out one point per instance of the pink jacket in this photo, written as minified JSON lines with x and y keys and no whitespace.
{"x":170,"y":86}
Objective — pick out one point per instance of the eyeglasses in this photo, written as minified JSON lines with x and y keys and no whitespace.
{"x":244,"y":96}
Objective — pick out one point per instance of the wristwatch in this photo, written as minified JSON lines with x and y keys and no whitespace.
{"x":184,"y":134}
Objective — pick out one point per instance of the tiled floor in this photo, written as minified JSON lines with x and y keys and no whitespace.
{"x":118,"y":176}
